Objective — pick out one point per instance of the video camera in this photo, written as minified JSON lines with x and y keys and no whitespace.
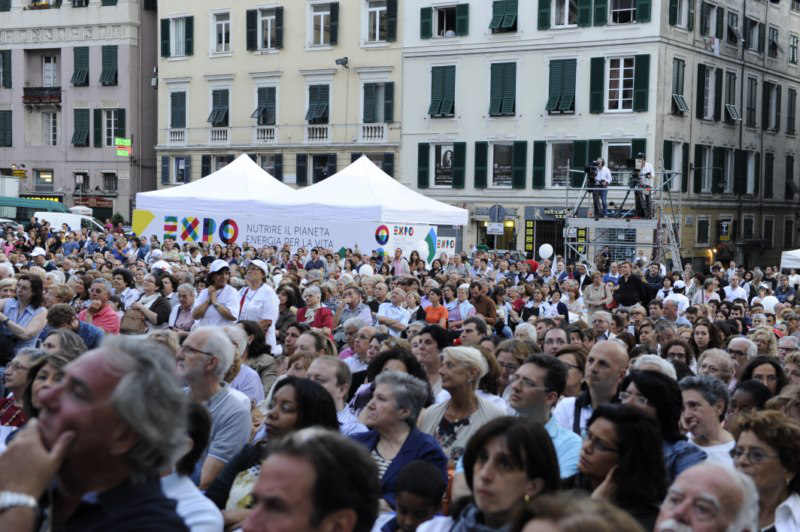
{"x":591,"y":174}
{"x":634,"y":166}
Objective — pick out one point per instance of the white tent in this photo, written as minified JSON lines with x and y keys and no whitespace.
{"x":362,"y":192}
{"x":790,"y":259}
{"x":241,"y":186}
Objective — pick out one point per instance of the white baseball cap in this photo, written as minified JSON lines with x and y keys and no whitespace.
{"x":37,"y":251}
{"x":262,"y":265}
{"x":218,"y":265}
{"x":161,"y":265}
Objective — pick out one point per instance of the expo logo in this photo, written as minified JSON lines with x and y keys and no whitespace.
{"x":403,"y":230}
{"x":446,"y":244}
{"x":189,"y":229}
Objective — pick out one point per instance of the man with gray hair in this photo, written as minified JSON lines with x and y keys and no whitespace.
{"x":103,"y":435}
{"x":786,"y":345}
{"x":6,"y":270}
{"x":350,"y":328}
{"x":705,"y":403}
{"x":742,"y":350}
{"x":391,"y":314}
{"x":98,"y":312}
{"x":202,"y":361}
{"x":710,"y":497}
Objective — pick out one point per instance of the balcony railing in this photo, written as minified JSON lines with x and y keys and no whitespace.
{"x":318,"y":133}
{"x":266,"y":134}
{"x":177,"y":136}
{"x":220,"y":135}
{"x":41,"y":95}
{"x":373,"y":132}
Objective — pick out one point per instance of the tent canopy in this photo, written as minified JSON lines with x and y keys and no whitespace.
{"x":790,"y":259}
{"x":241,"y":186}
{"x":362,"y":192}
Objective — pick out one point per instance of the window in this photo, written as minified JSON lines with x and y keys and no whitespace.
{"x":705,"y":169}
{"x":729,"y":169}
{"x":503,"y":89}
{"x":266,"y":106}
{"x":108,"y":76}
{"x":774,"y":45}
{"x":444,"y":20}
{"x":180,"y":170}
{"x":752,"y":96}
{"x":378,"y":103}
{"x":323,"y":166}
{"x":177,"y":110}
{"x":752,"y":34}
{"x":623,"y":11}
{"x":178,"y":37}
{"x":734,"y":35}
{"x":620,"y":84}
{"x":318,"y":101}
{"x":321,"y":24}
{"x":377,"y":21}
{"x":80,"y":138}
{"x":788,"y":232}
{"x":443,"y":165}
{"x":81,"y":182}
{"x":708,"y":92}
{"x":565,"y":13}
{"x":562,"y":155}
{"x":703,"y":225}
{"x":219,"y":108}
{"x":731,"y":112}
{"x":796,"y":6}
{"x":751,"y":173}
{"x":502,"y":159}
{"x":111,"y":126}
{"x":791,"y":111}
{"x":5,"y":69}
{"x":110,"y":181}
{"x":708,"y":19}
{"x":677,"y":164}
{"x":43,"y":180}
{"x":267,"y":29}
{"x":772,"y":102}
{"x":618,"y":156}
{"x":222,"y":33}
{"x":443,"y":90}
{"x":49,"y":71}
{"x":748,"y":227}
{"x":50,"y":129}
{"x":504,"y":16}
{"x":679,"y":105}
{"x":793,"y":40}
{"x":562,"y":86}
{"x":273,"y":165}
{"x":80,"y":74}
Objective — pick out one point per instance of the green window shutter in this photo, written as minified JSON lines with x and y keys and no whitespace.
{"x":704,"y":12}
{"x":740,"y":172}
{"x":496,"y":86}
{"x":423,"y":165}
{"x":718,"y":94}
{"x":324,"y":104}
{"x":597,"y":85}
{"x":639,"y":146}
{"x":765,"y":105}
{"x":556,"y":86}
{"x":80,"y":72}
{"x":769,"y":166}
{"x":165,"y":170}
{"x":189,"y":39}
{"x":187,"y":169}
{"x":777,"y":108}
{"x":519,"y":162}
{"x":718,"y":175}
{"x":6,"y":129}
{"x":261,"y":106}
{"x":205,"y":165}
{"x":481,"y":164}
{"x":109,"y":75}
{"x":277,"y":166}
{"x":448,"y":91}
{"x":120,"y":130}
{"x":580,"y":150}
{"x":539,"y":163}
{"x":222,"y":115}
{"x":5,"y":5}
{"x":459,"y":164}
{"x":673,"y":13}
{"x":109,"y":2}
{"x":98,"y":128}
{"x":462,"y":20}
{"x":272,"y":105}
{"x":6,"y":68}
{"x":301,"y":169}
{"x":509,"y":89}
{"x":758,"y":174}
{"x":667,"y":156}
{"x":600,"y":12}
{"x":789,"y":193}
{"x":369,"y":103}
{"x":543,"y":22}
{"x":388,"y":164}
{"x":510,"y":16}
{"x":762,"y":36}
{"x":177,"y":110}
{"x":584,"y":13}
{"x":278,"y":30}
{"x":313,"y":98}
{"x":498,"y":13}
{"x":331,"y":164}
{"x":701,"y":87}
{"x":685,"y":167}
{"x":641,"y":82}
{"x":391,"y":20}
{"x":568,"y":85}
{"x":437,"y":90}
{"x":426,"y":23}
{"x":388,"y":102}
{"x":594,"y":150}
{"x":80,"y":138}
{"x":698,"y":165}
{"x":720,"y":29}
{"x":690,"y":17}
{"x":165,"y":23}
{"x":334,"y":23}
{"x":643,"y":8}
{"x":251,"y":33}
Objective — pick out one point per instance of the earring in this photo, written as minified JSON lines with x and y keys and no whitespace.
{"x":526,"y":498}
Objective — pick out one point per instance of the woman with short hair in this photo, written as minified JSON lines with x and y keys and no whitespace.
{"x":23,"y":317}
{"x":155,"y":307}
{"x":768,"y":371}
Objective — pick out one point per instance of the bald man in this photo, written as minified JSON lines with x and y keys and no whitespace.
{"x":605,"y":369}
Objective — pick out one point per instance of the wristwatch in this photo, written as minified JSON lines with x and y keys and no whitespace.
{"x":11,"y":499}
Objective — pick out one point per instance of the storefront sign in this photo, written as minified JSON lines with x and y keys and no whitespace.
{"x":94,"y":202}
{"x":494,"y":228}
{"x":57,"y":199}
{"x":724,"y":227}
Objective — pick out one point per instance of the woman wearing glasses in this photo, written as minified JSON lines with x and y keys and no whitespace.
{"x":314,"y":314}
{"x":768,"y":450}
{"x":766,"y":370}
{"x":620,"y":461}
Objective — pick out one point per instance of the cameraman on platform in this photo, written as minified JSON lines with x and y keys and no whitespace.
{"x":646,"y":176}
{"x":602,"y":182}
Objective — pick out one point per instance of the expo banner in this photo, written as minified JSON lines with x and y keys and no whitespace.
{"x":261,"y":231}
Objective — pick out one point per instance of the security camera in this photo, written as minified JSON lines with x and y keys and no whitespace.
{"x":342,"y":62}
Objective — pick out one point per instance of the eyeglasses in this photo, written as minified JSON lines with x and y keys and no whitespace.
{"x":527,"y":383}
{"x":709,"y":368}
{"x":736,"y":353}
{"x":638,"y":399}
{"x":754,"y":456}
{"x":596,"y":443}
{"x":185,"y":347}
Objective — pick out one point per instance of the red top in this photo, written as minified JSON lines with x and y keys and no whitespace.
{"x":533,"y":264}
{"x":11,"y":415}
{"x":322,"y":318}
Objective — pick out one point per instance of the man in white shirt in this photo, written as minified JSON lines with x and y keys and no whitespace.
{"x":393,"y":315}
{"x":733,"y":291}
{"x":602,"y":182}
{"x":646,"y":176}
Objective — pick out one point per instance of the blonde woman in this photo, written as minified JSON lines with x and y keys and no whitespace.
{"x":765,"y":341}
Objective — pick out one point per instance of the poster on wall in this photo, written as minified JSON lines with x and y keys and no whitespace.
{"x":446,"y":245}
{"x":261,"y":231}
{"x":501,"y":168}
{"x":443,"y":165}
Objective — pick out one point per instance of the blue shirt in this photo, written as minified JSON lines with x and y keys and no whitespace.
{"x":11,"y":311}
{"x":567,"y":445}
{"x":68,"y":247}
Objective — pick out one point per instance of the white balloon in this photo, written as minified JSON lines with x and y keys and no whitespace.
{"x":422,"y":249}
{"x":545,"y":251}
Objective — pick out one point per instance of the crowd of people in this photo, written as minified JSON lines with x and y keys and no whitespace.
{"x":153,"y":386}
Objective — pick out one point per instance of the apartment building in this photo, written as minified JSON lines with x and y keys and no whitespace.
{"x":302,"y":86}
{"x":74,"y":76}
{"x":505,"y":102}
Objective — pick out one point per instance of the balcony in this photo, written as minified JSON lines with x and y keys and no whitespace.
{"x":266,"y":134}
{"x":44,"y":4}
{"x":219,"y":135}
{"x":177,"y":137}
{"x":41,"y":95}
{"x":373,"y":133}
{"x":316,"y":134}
